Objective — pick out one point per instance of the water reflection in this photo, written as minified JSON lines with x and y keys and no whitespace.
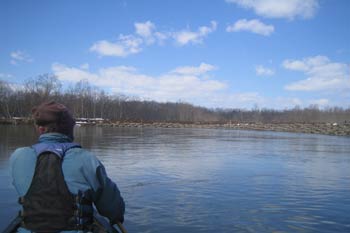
{"x":205,"y":180}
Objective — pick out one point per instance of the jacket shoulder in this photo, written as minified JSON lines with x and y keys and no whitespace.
{"x":22,"y":151}
{"x":87,"y":159}
{"x":81,"y":153}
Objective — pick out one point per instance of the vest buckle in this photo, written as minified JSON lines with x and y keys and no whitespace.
{"x":21,"y":200}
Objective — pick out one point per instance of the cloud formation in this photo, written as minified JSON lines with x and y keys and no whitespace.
{"x":146,"y":35}
{"x":289,"y":9}
{"x":263,"y":71}
{"x":194,"y":70}
{"x":254,"y":26}
{"x":186,"y":36}
{"x":321,"y":74}
{"x":5,"y":76}
{"x":19,"y":56}
{"x":125,"y":46}
{"x":182,"y":83}
{"x":186,"y":83}
{"x":145,"y":29}
{"x":320,"y":102}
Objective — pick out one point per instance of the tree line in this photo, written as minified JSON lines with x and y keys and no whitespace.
{"x":87,"y":101}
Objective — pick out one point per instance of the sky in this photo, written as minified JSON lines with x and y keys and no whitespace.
{"x":216,"y":54}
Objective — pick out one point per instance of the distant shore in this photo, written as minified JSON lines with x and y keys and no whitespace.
{"x":312,"y":128}
{"x":339,"y":129}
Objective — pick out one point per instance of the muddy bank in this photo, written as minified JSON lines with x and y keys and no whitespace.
{"x":313,"y":128}
{"x":339,"y":129}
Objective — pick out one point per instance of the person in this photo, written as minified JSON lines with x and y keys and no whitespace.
{"x":58,"y":181}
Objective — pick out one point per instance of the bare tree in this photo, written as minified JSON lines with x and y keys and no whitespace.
{"x":88,"y":101}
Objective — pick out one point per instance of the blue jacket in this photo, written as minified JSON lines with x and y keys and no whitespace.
{"x":82,"y":171}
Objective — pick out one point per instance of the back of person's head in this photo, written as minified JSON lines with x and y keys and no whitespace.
{"x":55,"y":117}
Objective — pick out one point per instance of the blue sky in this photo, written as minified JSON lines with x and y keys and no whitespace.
{"x":218,"y":53}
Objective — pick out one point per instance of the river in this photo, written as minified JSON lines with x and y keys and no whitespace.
{"x":212,"y":180}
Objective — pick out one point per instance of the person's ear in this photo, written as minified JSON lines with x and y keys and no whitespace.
{"x":41,"y":129}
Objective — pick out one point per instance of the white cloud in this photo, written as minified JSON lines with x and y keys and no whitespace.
{"x":146,"y":35}
{"x":71,"y":74}
{"x":161,"y":36}
{"x":254,"y":26}
{"x":289,"y":9}
{"x":186,"y":36}
{"x":145,"y":29}
{"x":194,"y":70}
{"x":263,"y":71}
{"x":320,"y":102}
{"x":85,"y":66}
{"x":19,"y":56}
{"x":295,"y":65}
{"x":321,"y":74}
{"x":3,"y":75}
{"x":123,"y":47}
{"x":185,"y":83}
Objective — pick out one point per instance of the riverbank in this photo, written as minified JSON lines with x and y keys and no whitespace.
{"x":339,"y":129}
{"x":313,"y":128}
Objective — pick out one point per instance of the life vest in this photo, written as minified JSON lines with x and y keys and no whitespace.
{"x":48,"y":205}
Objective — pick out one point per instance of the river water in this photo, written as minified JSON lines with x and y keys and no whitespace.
{"x":212,"y":180}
